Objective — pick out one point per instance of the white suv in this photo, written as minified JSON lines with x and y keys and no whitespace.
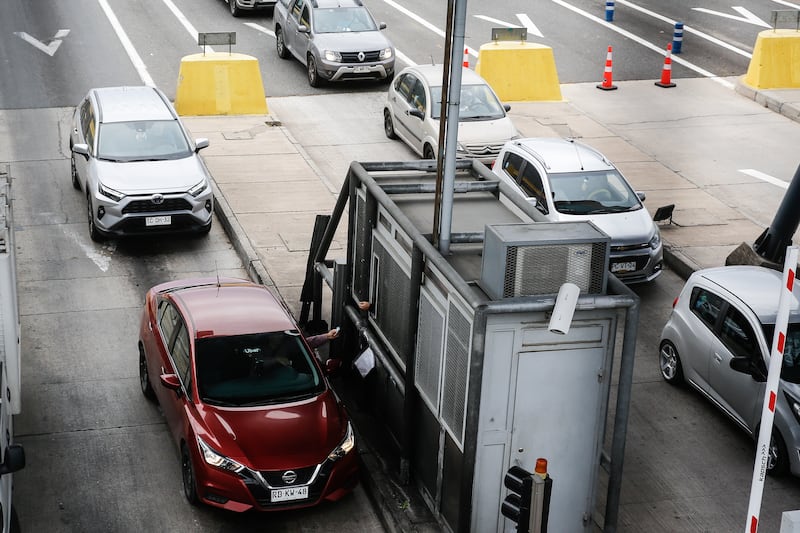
{"x":567,"y":181}
{"x":135,"y":163}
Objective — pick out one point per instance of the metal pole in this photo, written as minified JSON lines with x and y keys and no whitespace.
{"x":437,"y":203}
{"x":777,"y":237}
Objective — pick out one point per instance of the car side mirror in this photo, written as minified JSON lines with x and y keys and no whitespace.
{"x":416,"y":113}
{"x":82,"y":149}
{"x":642,"y":196}
{"x":14,"y":459}
{"x":382,"y":26}
{"x":507,"y":107}
{"x":745,"y":365}
{"x":171,"y":381}
{"x":200,"y":143}
{"x":302,"y":28}
{"x":332,"y":365}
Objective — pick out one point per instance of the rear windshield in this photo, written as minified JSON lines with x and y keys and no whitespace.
{"x":255,"y":369}
{"x":142,"y":141}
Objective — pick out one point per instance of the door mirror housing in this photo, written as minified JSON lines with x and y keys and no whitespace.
{"x":416,"y":113}
{"x":14,"y":459}
{"x":171,"y":381}
{"x":746,"y":365}
{"x":82,"y":149}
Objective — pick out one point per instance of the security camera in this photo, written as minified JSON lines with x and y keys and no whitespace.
{"x":566,"y":301}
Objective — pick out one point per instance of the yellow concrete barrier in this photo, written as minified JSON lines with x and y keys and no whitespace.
{"x":220,"y":84}
{"x":776,"y":60}
{"x":519,"y":71}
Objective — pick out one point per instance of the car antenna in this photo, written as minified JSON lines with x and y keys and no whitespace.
{"x":216,"y":268}
{"x":577,"y":152}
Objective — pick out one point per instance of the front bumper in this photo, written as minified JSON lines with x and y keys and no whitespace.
{"x":647,"y":264}
{"x":355,"y":71}
{"x":129,"y":216}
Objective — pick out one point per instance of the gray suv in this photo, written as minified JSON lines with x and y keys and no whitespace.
{"x":718,"y":340}
{"x":138,"y":168}
{"x":334,"y":39}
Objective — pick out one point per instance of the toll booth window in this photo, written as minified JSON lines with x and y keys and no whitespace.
{"x":706,"y":306}
{"x":737,"y":334}
{"x":531,"y":183}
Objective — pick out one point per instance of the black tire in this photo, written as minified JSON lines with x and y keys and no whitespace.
{"x":235,"y":11}
{"x":313,"y":76}
{"x":669,"y":363}
{"x":144,"y":377}
{"x":280,"y":44}
{"x":778,"y":459}
{"x":15,"y":525}
{"x":94,"y":233}
{"x":187,"y":475}
{"x":427,"y":152}
{"x":74,"y":172}
{"x":388,"y":125}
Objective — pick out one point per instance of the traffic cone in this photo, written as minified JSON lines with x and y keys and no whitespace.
{"x":607,"y":85}
{"x":666,"y":72}
{"x":465,"y":64}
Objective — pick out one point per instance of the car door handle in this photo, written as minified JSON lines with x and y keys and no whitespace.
{"x":717,"y":357}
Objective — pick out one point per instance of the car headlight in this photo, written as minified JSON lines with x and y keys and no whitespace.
{"x":218,"y":460}
{"x":109,"y":193}
{"x":655,"y":240}
{"x":794,"y":405}
{"x":332,"y":55}
{"x":198,"y":189}
{"x":344,"y":447}
{"x":386,"y":53}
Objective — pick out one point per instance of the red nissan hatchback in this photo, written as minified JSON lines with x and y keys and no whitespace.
{"x":257,"y":425}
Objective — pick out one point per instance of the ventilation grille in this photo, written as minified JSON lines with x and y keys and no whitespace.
{"x":429,"y":351}
{"x":456,"y":366}
{"x":393,"y":289}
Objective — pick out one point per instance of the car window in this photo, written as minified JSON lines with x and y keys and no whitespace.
{"x":87,"y":124}
{"x":255,"y":369}
{"x":706,"y":306}
{"x":343,"y":19}
{"x":142,"y":141}
{"x":737,"y":334}
{"x":297,"y":8}
{"x":168,"y":321}
{"x":512,"y":163}
{"x":305,"y":18}
{"x":418,"y":97}
{"x":180,"y":354}
{"x":477,"y":102}
{"x":531,"y":183}
{"x":790,"y":370}
{"x":403,"y":86}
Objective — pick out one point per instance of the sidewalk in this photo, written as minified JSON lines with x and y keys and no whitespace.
{"x":273,"y":179}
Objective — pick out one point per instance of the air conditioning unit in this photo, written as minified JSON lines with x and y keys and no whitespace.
{"x":536,"y":259}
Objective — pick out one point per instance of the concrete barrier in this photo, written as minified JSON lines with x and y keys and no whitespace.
{"x":776,"y":60}
{"x":220,"y":84}
{"x":519,"y":71}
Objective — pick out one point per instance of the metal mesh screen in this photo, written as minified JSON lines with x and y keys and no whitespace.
{"x":429,"y":351}
{"x":542,"y":269}
{"x":456,"y":366}
{"x":392,"y":314}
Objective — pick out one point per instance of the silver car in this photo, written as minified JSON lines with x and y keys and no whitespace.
{"x":567,"y":181}
{"x":238,"y":7}
{"x":136,"y":165}
{"x":718,"y":340}
{"x":334,"y":39}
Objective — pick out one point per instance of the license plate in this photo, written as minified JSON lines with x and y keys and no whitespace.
{"x":362,"y":70}
{"x":158,"y":221}
{"x":626,"y":266}
{"x":289,"y":494}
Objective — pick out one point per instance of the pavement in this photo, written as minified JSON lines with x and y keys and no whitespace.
{"x":275,"y":173}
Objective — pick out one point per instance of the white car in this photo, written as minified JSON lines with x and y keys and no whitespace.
{"x":569,"y":181}
{"x":413,"y":108}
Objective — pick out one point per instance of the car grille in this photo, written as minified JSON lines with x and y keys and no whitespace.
{"x":629,"y":248}
{"x":352,"y":57}
{"x":481,"y":150}
{"x":147,"y":206}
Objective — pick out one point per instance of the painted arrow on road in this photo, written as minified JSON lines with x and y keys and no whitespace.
{"x":746,"y":15}
{"x":49,"y":48}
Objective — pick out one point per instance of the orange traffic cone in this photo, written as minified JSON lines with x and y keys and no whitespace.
{"x":607,"y":85}
{"x":465,"y":64}
{"x":666,"y":72}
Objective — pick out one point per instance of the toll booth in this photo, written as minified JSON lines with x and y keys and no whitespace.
{"x":465,"y":371}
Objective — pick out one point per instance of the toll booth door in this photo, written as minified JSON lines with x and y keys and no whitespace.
{"x":557,"y":410}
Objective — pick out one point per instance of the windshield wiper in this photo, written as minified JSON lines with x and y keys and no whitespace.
{"x":219,"y":403}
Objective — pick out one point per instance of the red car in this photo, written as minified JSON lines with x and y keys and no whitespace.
{"x":256,"y":422}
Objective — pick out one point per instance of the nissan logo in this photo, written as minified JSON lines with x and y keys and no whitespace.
{"x":289,"y":477}
{"x":157,"y":199}
{"x":361,"y":56}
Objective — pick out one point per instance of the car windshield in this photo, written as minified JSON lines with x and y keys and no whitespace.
{"x":142,"y":141}
{"x":255,"y":369}
{"x":790,"y":370}
{"x":343,"y":19}
{"x":592,"y":193}
{"x":478,"y":102}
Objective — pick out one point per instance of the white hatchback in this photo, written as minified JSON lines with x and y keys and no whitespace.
{"x":413,"y":108}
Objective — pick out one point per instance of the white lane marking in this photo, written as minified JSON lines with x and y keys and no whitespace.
{"x":687,"y":29}
{"x":400,"y":55}
{"x":138,"y":64}
{"x":101,"y":257}
{"x":184,"y":22}
{"x":787,"y":4}
{"x":646,"y":44}
{"x":746,"y":16}
{"x":764,"y":177}
{"x":49,"y":48}
{"x":528,"y":23}
{"x":423,"y":22}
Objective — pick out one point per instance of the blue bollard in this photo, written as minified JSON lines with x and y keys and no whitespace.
{"x":677,"y":38}
{"x":609,"y":10}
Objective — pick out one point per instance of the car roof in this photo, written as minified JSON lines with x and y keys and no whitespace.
{"x":336,"y":3}
{"x":229,"y":307}
{"x":559,"y":155}
{"x":131,"y":103}
{"x":758,"y":287}
{"x":432,"y":74}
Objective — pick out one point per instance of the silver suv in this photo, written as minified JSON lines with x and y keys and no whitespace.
{"x":718,"y":339}
{"x":137,"y":166}
{"x":334,"y":39}
{"x":568,"y":181}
